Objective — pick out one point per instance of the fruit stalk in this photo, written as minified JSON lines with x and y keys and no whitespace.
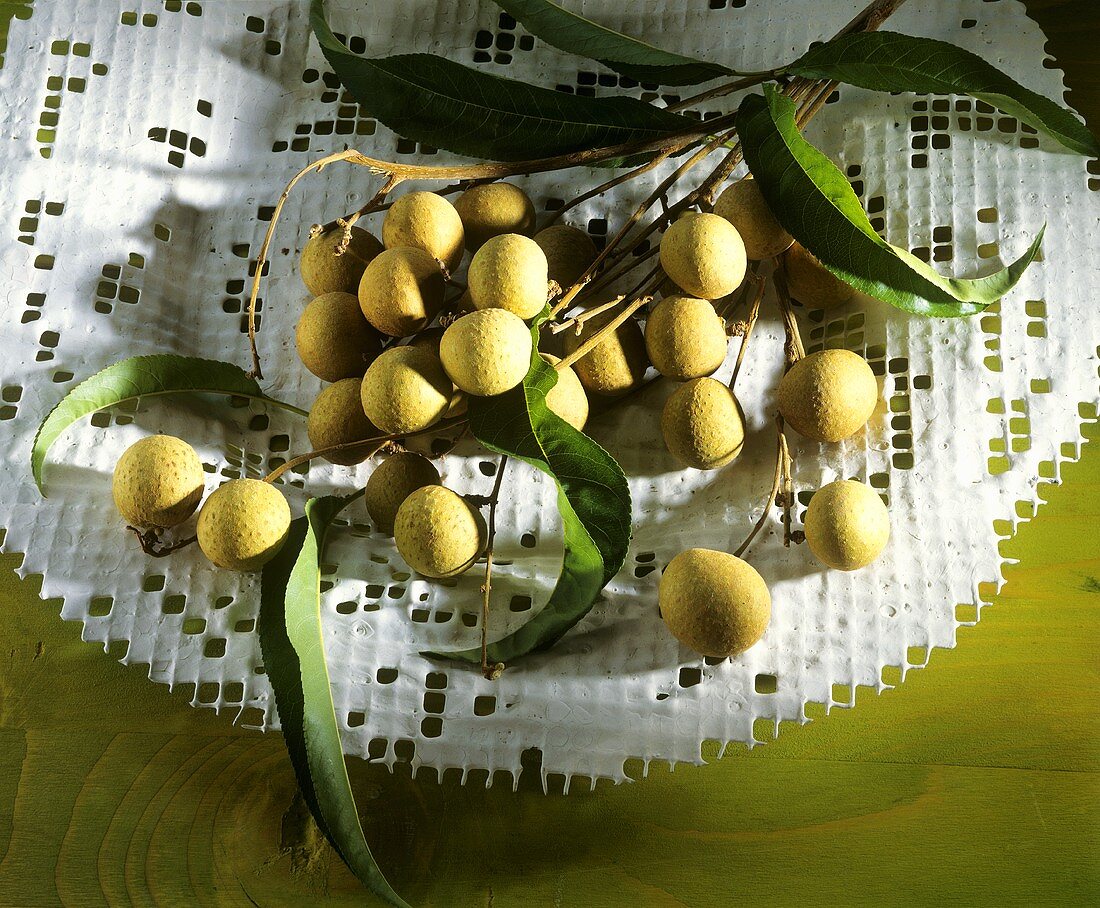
{"x":494,"y":671}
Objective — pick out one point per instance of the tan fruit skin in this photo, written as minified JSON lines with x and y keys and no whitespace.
{"x":493,"y":209}
{"x":426,"y":221}
{"x":847,"y":526}
{"x":487,"y":352}
{"x":509,"y":272}
{"x":811,"y":283}
{"x":568,"y":250}
{"x":336,"y":418}
{"x":828,"y":395}
{"x":438,"y":533}
{"x":243,"y":524}
{"x":617,"y":364}
{"x":703,"y":425}
{"x":685,"y":338}
{"x":401,"y":291}
{"x":392,"y":481}
{"x":323,"y":271}
{"x":704,"y":255}
{"x":743,"y":205}
{"x":158,"y":482}
{"x":334,"y":340}
{"x":567,"y":398}
{"x":714,"y":602}
{"x":405,"y":390}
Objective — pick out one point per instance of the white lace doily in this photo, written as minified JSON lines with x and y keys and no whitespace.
{"x":151,"y":140}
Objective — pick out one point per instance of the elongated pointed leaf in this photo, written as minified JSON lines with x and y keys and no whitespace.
{"x":292,"y":642}
{"x":593,"y":499}
{"x":570,"y":32}
{"x":436,"y":101}
{"x":887,"y":61}
{"x":142,"y":376}
{"x":815,"y":203}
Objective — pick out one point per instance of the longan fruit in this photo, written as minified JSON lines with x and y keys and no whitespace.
{"x":424,"y":220}
{"x":492,"y":209}
{"x":568,"y":250}
{"x":392,"y":481}
{"x":334,"y":340}
{"x":323,"y":271}
{"x":743,"y":205}
{"x":704,"y":255}
{"x":243,"y":524}
{"x":685,"y":338}
{"x":158,"y":482}
{"x":847,"y":526}
{"x":617,"y":364}
{"x":438,"y":533}
{"x":713,"y":602}
{"x":828,"y":395}
{"x":567,"y":397}
{"x":509,"y":272}
{"x":703,"y":425}
{"x":337,"y":418}
{"x":401,"y":291}
{"x":486,"y":352}
{"x":405,"y":390}
{"x":811,"y":283}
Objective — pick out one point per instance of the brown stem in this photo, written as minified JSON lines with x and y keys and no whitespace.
{"x":578,"y":320}
{"x":379,"y":441}
{"x":793,"y":350}
{"x":151,"y":545}
{"x":648,"y":203}
{"x":612,"y":325}
{"x":617,"y":181}
{"x":786,"y":489}
{"x":491,"y":672}
{"x":319,"y":164}
{"x":750,"y":323}
{"x":777,"y":480}
{"x":728,"y":88}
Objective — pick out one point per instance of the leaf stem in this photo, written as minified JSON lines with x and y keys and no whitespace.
{"x":491,"y":672}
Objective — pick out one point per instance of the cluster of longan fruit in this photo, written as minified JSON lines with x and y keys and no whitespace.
{"x":403,"y":347}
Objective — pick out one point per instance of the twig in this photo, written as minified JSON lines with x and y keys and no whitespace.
{"x":320,"y":164}
{"x":750,"y":323}
{"x":578,"y":320}
{"x":777,"y":479}
{"x":491,"y":672}
{"x":616,"y":181}
{"x":786,"y":491}
{"x":150,"y":542}
{"x":612,"y":325}
{"x":646,"y":204}
{"x":728,"y":88}
{"x":379,"y":441}
{"x":793,"y":349}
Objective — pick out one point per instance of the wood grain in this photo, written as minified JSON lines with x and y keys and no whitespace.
{"x":976,"y":782}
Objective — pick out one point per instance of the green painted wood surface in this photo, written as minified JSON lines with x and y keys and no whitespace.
{"x":975,"y":782}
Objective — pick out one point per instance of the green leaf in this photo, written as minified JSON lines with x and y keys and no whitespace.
{"x":436,"y":101}
{"x":887,"y":61}
{"x":292,"y":643}
{"x":570,"y":32}
{"x":815,"y":203}
{"x":142,"y":376}
{"x":593,"y":499}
